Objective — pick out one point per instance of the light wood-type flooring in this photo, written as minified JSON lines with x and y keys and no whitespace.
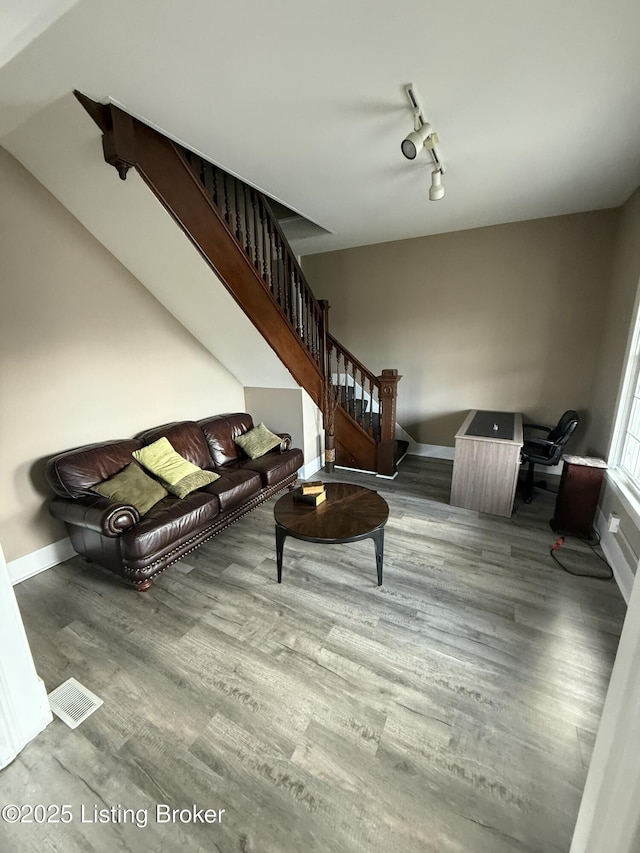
{"x":452,"y":710}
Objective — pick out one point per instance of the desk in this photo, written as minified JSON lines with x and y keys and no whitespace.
{"x":487,"y":461}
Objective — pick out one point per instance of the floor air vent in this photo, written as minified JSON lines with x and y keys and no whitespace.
{"x":73,"y":703}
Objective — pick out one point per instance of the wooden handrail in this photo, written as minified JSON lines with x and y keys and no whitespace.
{"x":235,"y":230}
{"x":258,"y":234}
{"x":335,"y":344}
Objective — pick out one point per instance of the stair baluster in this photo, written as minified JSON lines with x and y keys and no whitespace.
{"x":241,"y":212}
{"x":285,"y":283}
{"x":214,"y":186}
{"x":256,"y":229}
{"x":247,"y":221}
{"x":371,"y":429}
{"x":266,"y":242}
{"x":278,"y":261}
{"x":227,"y":214}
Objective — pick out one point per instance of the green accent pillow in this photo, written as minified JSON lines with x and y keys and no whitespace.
{"x":258,"y":441}
{"x":180,"y":476}
{"x":132,"y":486}
{"x":192,"y":482}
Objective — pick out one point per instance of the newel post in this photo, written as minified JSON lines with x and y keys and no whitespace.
{"x":119,"y":144}
{"x":388,"y":382}
{"x":118,"y":133}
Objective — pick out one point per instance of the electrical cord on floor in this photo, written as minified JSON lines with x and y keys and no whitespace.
{"x":592,"y":544}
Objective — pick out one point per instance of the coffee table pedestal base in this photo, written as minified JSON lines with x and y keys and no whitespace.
{"x":376,"y":535}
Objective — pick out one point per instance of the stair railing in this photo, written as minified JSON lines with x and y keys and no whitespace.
{"x":251,"y":221}
{"x":244,"y":223}
{"x":369,"y":400}
{"x":355,"y":389}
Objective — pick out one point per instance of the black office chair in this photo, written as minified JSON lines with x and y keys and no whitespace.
{"x":547,"y":449}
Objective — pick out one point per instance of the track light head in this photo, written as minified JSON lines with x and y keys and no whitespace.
{"x":423,"y":136}
{"x":412,"y":144}
{"x":436,"y":190}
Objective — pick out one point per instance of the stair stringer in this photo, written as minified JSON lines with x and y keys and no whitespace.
{"x":165,"y":171}
{"x":354,"y":447}
{"x":68,"y":163}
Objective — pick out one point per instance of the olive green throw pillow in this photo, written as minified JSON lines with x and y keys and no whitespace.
{"x":258,"y":441}
{"x":180,"y":476}
{"x":132,"y":486}
{"x":192,"y":482}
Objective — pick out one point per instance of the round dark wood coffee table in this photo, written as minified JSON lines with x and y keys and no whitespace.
{"x":350,"y":513}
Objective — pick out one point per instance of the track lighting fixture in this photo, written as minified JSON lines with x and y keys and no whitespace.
{"x":423,"y":136}
{"x":436,"y":190}
{"x":413,"y":143}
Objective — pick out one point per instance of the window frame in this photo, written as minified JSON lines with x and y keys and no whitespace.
{"x":628,"y":486}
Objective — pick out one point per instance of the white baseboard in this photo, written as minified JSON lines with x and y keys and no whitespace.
{"x":311,"y":468}
{"x":36,"y":562}
{"x":365,"y":471}
{"x":438,"y":451}
{"x":623,"y":571}
{"x":435,"y":451}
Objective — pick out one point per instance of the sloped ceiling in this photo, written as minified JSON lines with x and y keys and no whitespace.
{"x":21,"y":21}
{"x":537,"y":105}
{"x":61,"y":146}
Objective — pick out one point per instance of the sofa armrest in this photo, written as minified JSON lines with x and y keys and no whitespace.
{"x":110,"y":518}
{"x":285,"y":441}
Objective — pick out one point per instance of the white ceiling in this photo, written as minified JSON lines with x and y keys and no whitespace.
{"x":537,"y":105}
{"x":21,"y":21}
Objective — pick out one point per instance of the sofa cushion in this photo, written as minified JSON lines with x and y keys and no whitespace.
{"x":274,"y":467}
{"x":180,"y":476}
{"x":220,"y":433}
{"x":132,"y":486}
{"x":75,"y":472}
{"x":185,"y":437}
{"x":235,"y":486}
{"x":167,"y":525}
{"x":258,"y":441}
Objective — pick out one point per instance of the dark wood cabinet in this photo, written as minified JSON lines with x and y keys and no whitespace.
{"x":578,"y":496}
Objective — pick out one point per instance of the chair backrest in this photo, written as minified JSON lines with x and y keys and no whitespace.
{"x":561,"y":433}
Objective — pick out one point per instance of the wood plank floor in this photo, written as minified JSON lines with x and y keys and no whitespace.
{"x":452,"y":709}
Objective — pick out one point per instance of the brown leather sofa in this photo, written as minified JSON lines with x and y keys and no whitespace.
{"x":114,"y":535}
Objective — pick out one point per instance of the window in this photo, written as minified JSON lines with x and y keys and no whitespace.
{"x":625,"y":449}
{"x":630,"y":457}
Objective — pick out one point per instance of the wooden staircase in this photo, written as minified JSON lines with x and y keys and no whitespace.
{"x":235,"y":230}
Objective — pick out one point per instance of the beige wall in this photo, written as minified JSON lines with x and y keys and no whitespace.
{"x":507,"y":317}
{"x":622,"y":295}
{"x":86,"y":354}
{"x":61,"y":147}
{"x":292,"y":411}
{"x":280,"y":409}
